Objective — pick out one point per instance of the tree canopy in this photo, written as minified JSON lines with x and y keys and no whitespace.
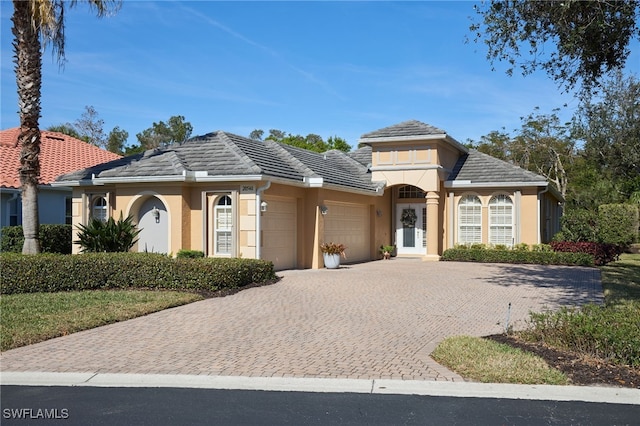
{"x":311,"y":142}
{"x":175,"y":130}
{"x":576,"y":42}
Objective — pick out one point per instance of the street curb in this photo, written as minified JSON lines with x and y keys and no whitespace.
{"x":295,"y":384}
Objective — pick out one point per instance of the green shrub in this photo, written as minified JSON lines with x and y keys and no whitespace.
{"x":52,"y":272}
{"x":519,"y":255}
{"x":605,"y":332}
{"x":578,"y":225}
{"x":618,"y":224}
{"x":54,"y":238}
{"x":109,"y":236}
{"x":190,"y":254}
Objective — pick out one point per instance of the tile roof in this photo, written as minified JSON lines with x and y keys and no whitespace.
{"x":225,"y":154}
{"x":59,"y":153}
{"x":477,"y":167}
{"x":406,"y":128}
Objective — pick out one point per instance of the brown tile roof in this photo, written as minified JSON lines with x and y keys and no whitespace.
{"x":59,"y":154}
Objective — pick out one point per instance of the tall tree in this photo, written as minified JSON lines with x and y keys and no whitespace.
{"x":67,"y":129}
{"x":175,"y":130}
{"x":591,"y":38}
{"x":116,"y":140}
{"x":542,"y":145}
{"x":91,"y":127}
{"x":610,"y":130}
{"x":32,"y":21}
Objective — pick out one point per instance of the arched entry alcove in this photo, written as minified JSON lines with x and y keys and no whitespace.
{"x":153,"y":223}
{"x":410,"y":220}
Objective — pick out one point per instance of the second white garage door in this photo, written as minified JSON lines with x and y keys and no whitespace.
{"x":279,"y":232}
{"x":349,"y":224}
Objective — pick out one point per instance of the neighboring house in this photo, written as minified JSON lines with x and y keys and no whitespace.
{"x":410,"y":184}
{"x":59,"y":154}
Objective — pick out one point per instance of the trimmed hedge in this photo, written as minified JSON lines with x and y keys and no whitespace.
{"x":602,"y":253}
{"x":189,"y":254}
{"x":53,"y":272}
{"x":53,"y":239}
{"x":618,"y":224}
{"x":516,"y":255}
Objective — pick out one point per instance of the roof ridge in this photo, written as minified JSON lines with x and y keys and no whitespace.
{"x":349,"y":158}
{"x":291,"y":159}
{"x":238,"y":151}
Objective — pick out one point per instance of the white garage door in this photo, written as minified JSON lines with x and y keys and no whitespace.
{"x":279,"y":232}
{"x":349,"y":224}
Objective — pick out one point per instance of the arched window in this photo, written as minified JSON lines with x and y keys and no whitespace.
{"x":223,"y":226}
{"x":470,"y":220}
{"x":501,"y":220}
{"x":410,"y":191}
{"x":99,"y":209}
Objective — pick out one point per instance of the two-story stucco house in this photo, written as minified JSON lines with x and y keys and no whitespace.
{"x":410,"y":184}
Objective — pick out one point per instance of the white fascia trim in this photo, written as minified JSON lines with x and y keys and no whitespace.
{"x":313,"y":181}
{"x":339,"y":188}
{"x":72,"y":183}
{"x":403,"y":168}
{"x":468,"y":184}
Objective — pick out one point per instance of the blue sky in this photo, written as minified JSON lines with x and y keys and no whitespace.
{"x":329,"y":68}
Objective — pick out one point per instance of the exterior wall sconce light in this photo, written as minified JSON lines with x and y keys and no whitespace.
{"x":379,"y":213}
{"x":156,"y":214}
{"x":324,"y":210}
{"x":263,"y":206}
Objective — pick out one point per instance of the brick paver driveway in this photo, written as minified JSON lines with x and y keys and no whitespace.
{"x":373,"y":320}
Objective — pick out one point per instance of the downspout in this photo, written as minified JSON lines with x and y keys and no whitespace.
{"x":540,"y":213}
{"x":259,"y":192}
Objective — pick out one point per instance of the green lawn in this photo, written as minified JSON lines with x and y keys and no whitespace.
{"x":33,"y":317}
{"x":621,"y":280}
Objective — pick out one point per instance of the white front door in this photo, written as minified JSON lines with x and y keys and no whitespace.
{"x":411,"y":237}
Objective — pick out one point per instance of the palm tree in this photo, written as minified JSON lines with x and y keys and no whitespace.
{"x":34,"y":20}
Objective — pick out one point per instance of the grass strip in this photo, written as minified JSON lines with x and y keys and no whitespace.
{"x":486,"y":361}
{"x":33,"y":317}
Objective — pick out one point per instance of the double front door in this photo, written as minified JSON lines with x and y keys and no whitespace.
{"x":411,"y":229}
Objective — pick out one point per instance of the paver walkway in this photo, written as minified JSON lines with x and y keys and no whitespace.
{"x":373,"y":320}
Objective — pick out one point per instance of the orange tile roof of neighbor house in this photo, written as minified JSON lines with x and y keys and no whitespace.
{"x":59,"y":154}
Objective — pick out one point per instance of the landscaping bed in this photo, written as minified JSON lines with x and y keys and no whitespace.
{"x":580,"y":369}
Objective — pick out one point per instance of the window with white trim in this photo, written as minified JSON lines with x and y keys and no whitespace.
{"x":501,"y":220}
{"x":469,"y":220}
{"x":223,"y":226}
{"x":99,"y":208}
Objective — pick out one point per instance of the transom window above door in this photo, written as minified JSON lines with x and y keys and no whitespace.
{"x":410,"y":191}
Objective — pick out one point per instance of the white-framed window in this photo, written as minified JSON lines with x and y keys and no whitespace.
{"x":99,"y":208}
{"x":223,"y":219}
{"x":470,"y":220}
{"x":501,"y":220}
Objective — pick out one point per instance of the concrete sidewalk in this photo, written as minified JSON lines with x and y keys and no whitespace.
{"x":370,"y":321}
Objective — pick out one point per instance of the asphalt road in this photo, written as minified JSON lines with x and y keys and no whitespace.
{"x":44,"y":405}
